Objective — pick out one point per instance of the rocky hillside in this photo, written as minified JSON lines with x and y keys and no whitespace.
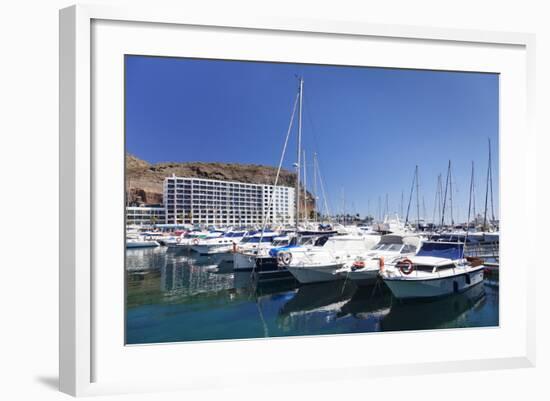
{"x":145,"y":180}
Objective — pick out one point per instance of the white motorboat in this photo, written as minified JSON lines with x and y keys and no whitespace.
{"x":218,"y":244}
{"x":437,"y":269}
{"x":135,"y":240}
{"x":186,"y":240}
{"x":246,"y":252}
{"x":318,"y":262}
{"x":364,"y":269}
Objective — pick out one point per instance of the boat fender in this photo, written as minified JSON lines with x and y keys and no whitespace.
{"x":405,"y":266}
{"x":234,"y":248}
{"x":285,"y":258}
{"x":381,"y":263}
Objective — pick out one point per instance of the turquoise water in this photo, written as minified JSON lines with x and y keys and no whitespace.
{"x":185,"y":297}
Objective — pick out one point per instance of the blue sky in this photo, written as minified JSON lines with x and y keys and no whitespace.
{"x":369,"y":126}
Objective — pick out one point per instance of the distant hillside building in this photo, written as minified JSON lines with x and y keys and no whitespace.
{"x":206,"y":201}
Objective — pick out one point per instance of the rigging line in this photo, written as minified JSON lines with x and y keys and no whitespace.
{"x":327,"y":211}
{"x":278,"y":171}
{"x":315,"y":146}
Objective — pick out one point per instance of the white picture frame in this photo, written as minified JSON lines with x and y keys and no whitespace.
{"x":81,"y":342}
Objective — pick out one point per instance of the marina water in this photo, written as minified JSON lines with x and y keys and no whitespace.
{"x":181,"y":296}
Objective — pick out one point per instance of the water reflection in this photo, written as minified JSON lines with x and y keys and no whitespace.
{"x":180,"y":296}
{"x":435,"y":314}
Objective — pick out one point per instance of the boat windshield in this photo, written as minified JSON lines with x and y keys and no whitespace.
{"x":393,"y":247}
{"x":389,"y":247}
{"x":255,"y":240}
{"x":234,"y":234}
{"x":442,"y":250}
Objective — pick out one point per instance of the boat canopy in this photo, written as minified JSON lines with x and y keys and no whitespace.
{"x":448,"y":250}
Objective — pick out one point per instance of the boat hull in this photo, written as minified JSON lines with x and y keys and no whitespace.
{"x":406,"y":289}
{"x":243,"y":262}
{"x":317,"y":274}
{"x":267,"y":269}
{"x":362,"y":277}
{"x":211,"y":249}
{"x":142,"y":244}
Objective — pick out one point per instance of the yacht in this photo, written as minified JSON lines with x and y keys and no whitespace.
{"x":318,"y":262}
{"x":438,"y":269}
{"x":363,"y":270}
{"x":187,"y":239}
{"x":245,"y":253}
{"x":136,"y":240}
{"x":267,"y":266}
{"x":217,"y":244}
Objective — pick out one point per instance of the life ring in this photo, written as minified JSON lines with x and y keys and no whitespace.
{"x":178,"y":240}
{"x":405,"y":266}
{"x":284,"y":258}
{"x":196,"y":241}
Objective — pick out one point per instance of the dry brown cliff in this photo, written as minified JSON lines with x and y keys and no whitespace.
{"x":144,"y":180}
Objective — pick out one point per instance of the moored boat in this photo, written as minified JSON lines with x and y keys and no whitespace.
{"x":219,"y":244}
{"x":364,"y":269}
{"x":317,"y":263}
{"x":438,"y":269}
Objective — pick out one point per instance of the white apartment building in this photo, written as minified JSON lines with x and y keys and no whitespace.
{"x":144,"y":215}
{"x":223,"y":203}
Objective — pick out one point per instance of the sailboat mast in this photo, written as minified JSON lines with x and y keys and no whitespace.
{"x":469,"y":209}
{"x":439,"y":200}
{"x":488,"y":187}
{"x":451,"y":191}
{"x":471,"y":197}
{"x":410,"y":197}
{"x":305,"y":186}
{"x":417,"y":201}
{"x":491,"y":182}
{"x":343,"y":207}
{"x":299,"y":153}
{"x":445,"y":195}
{"x":315,"y":196}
